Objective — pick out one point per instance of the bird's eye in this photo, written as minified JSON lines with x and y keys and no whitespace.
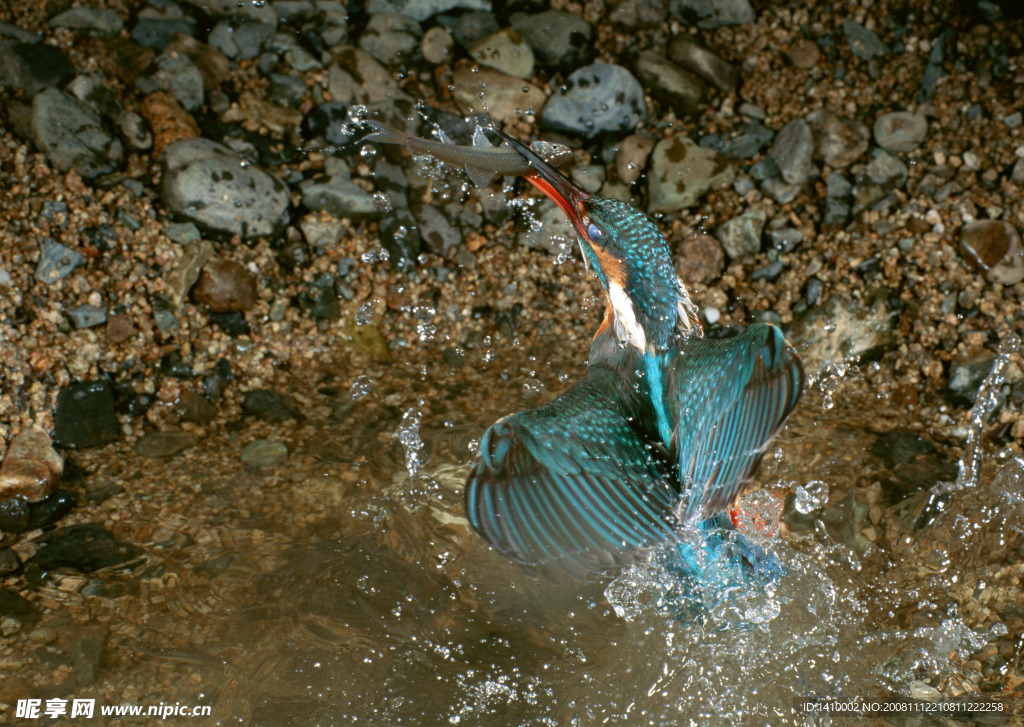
{"x":595,"y":233}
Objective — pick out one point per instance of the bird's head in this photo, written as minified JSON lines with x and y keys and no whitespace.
{"x":647,"y":301}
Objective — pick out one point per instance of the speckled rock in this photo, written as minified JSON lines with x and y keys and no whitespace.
{"x":843,"y":329}
{"x":792,"y":152}
{"x":713,"y":13}
{"x":217,"y":188}
{"x":900,"y":131}
{"x":225,"y":285}
{"x":601,"y":98}
{"x":680,"y":90}
{"x":391,"y":38}
{"x":631,"y":158}
{"x":505,"y":97}
{"x":741,"y":236}
{"x":692,"y":56}
{"x":177,"y":75}
{"x":505,"y":51}
{"x":341,"y":198}
{"x":863,"y":42}
{"x":73,"y":136}
{"x":994,"y":248}
{"x":681,"y":172}
{"x":839,"y":142}
{"x":31,"y":469}
{"x":699,"y":258}
{"x":438,"y":234}
{"x":422,"y":9}
{"x":559,"y":39}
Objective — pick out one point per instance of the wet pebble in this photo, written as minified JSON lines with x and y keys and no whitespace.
{"x":506,"y":97}
{"x":780,"y":191}
{"x":602,"y":98}
{"x":552,"y":233}
{"x":399,"y":235}
{"x":631,"y":158}
{"x":438,"y":234}
{"x":786,"y":239}
{"x":391,"y":38}
{"x":14,"y":514}
{"x":178,"y":76}
{"x":286,"y":89}
{"x":55,"y":261}
{"x":87,"y":547}
{"x":73,"y":136}
{"x":320,"y":231}
{"x":699,"y":258}
{"x":225,"y":285}
{"x":681,"y":172}
{"x":692,"y":56}
{"x":804,"y":53}
{"x":14,"y":604}
{"x":900,"y":131}
{"x":473,"y":26}
{"x":680,"y":90}
{"x":9,"y":561}
{"x":863,"y":43}
{"x":437,"y":45}
{"x":339,"y":197}
{"x":839,"y":142}
{"x":89,"y":20}
{"x":157,"y":25}
{"x":31,"y":468}
{"x":240,"y":38}
{"x":747,"y":142}
{"x":714,"y":13}
{"x":887,"y":171}
{"x":994,"y":248}
{"x":559,"y":39}
{"x":31,"y":67}
{"x":505,"y":51}
{"x":422,"y":9}
{"x":51,"y":509}
{"x":87,"y":316}
{"x":631,"y":14}
{"x":154,"y":445}
{"x":264,"y":453}
{"x":741,"y":236}
{"x":269,"y":405}
{"x":217,"y":188}
{"x":85,"y":415}
{"x":194,"y":407}
{"x":792,"y":151}
{"x":841,"y":328}
{"x":119,"y":328}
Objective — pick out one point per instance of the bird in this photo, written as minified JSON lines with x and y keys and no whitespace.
{"x":663,"y":429}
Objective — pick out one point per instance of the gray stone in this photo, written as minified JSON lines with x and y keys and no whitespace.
{"x":967,"y":372}
{"x":838,"y":186}
{"x":13,"y":32}
{"x":1017,"y":173}
{"x":747,"y":143}
{"x":505,"y":97}
{"x":842,"y":329}
{"x":631,"y":14}
{"x":85,"y":415}
{"x":994,"y":248}
{"x":400,"y":236}
{"x":764,"y":169}
{"x":155,"y":445}
{"x":286,"y":89}
{"x":261,"y":12}
{"x":505,"y":51}
{"x":900,"y":131}
{"x":780,"y":191}
{"x":157,"y":26}
{"x":176,"y":74}
{"x":1014,"y":120}
{"x":681,"y":172}
{"x":134,"y":130}
{"x":473,"y":26}
{"x":671,"y":85}
{"x":863,"y":42}
{"x":73,"y":136}
{"x":786,"y":239}
{"x":217,"y":188}
{"x":714,"y":13}
{"x":264,"y":453}
{"x":241,"y":39}
{"x":87,"y":316}
{"x":55,"y":261}
{"x":91,"y":20}
{"x":741,"y":236}
{"x":289,"y":11}
{"x":181,"y":232}
{"x":439,"y":235}
{"x":31,"y":67}
{"x":837,"y":211}
{"x":792,"y":152}
{"x":692,"y":56}
{"x":601,"y":98}
{"x":391,"y":38}
{"x":559,"y":39}
{"x":339,"y":197}
{"x":333,"y":22}
{"x":8,"y":561}
{"x":551,"y":232}
{"x":887,"y":171}
{"x":422,"y":9}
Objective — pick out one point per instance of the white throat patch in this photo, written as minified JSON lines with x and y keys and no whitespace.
{"x":627,"y":328}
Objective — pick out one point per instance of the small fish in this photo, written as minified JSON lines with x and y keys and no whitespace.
{"x":482,"y":161}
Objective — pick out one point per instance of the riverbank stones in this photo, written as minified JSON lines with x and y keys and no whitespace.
{"x":900,"y":131}
{"x":73,"y":136}
{"x":601,"y":98}
{"x":994,"y":248}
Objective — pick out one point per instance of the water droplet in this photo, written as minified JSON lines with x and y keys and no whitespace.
{"x":367,"y":153}
{"x":364,"y":314}
{"x":361,"y":387}
{"x":811,"y":496}
{"x":382,"y":201}
{"x":408,"y":434}
{"x":532,"y":387}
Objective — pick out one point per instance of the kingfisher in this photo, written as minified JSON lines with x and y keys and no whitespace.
{"x":662,"y":431}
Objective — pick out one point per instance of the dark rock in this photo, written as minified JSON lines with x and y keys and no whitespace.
{"x":329,"y":121}
{"x":241,"y":38}
{"x":9,"y":561}
{"x":193,"y":407}
{"x":863,"y":42}
{"x":598,"y":99}
{"x":560,"y":40}
{"x":72,"y":136}
{"x":967,"y":372}
{"x":671,"y":85}
{"x":321,"y":299}
{"x":400,"y":237}
{"x":225,"y":285}
{"x":85,"y":415}
{"x":14,"y":604}
{"x":31,"y":67}
{"x":87,"y":316}
{"x":473,"y":26}
{"x":87,"y":547}
{"x":713,"y":13}
{"x":232,"y":322}
{"x":269,"y":405}
{"x":51,"y":509}
{"x":898,"y":446}
{"x":422,"y":9}
{"x":692,"y":56}
{"x":631,"y":14}
{"x":163,"y":444}
{"x":177,"y":75}
{"x":750,"y":138}
{"x":14,"y":515}
{"x":215,"y":382}
{"x":216,"y":187}
{"x":156,"y":27}
{"x":994,"y":248}
{"x":770,"y":271}
{"x":174,"y":365}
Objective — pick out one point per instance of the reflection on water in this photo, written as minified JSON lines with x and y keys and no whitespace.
{"x":349,"y":590}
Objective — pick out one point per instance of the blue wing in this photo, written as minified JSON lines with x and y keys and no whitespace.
{"x":572,"y":486}
{"x":728,"y":398}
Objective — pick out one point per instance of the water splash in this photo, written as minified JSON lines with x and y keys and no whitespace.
{"x":361,"y":387}
{"x":811,"y":497}
{"x":408,"y":434}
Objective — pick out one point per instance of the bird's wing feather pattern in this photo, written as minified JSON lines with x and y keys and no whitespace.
{"x":729,"y":398}
{"x":571,"y":486}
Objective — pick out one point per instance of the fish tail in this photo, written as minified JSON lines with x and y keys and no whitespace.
{"x":385,"y":134}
